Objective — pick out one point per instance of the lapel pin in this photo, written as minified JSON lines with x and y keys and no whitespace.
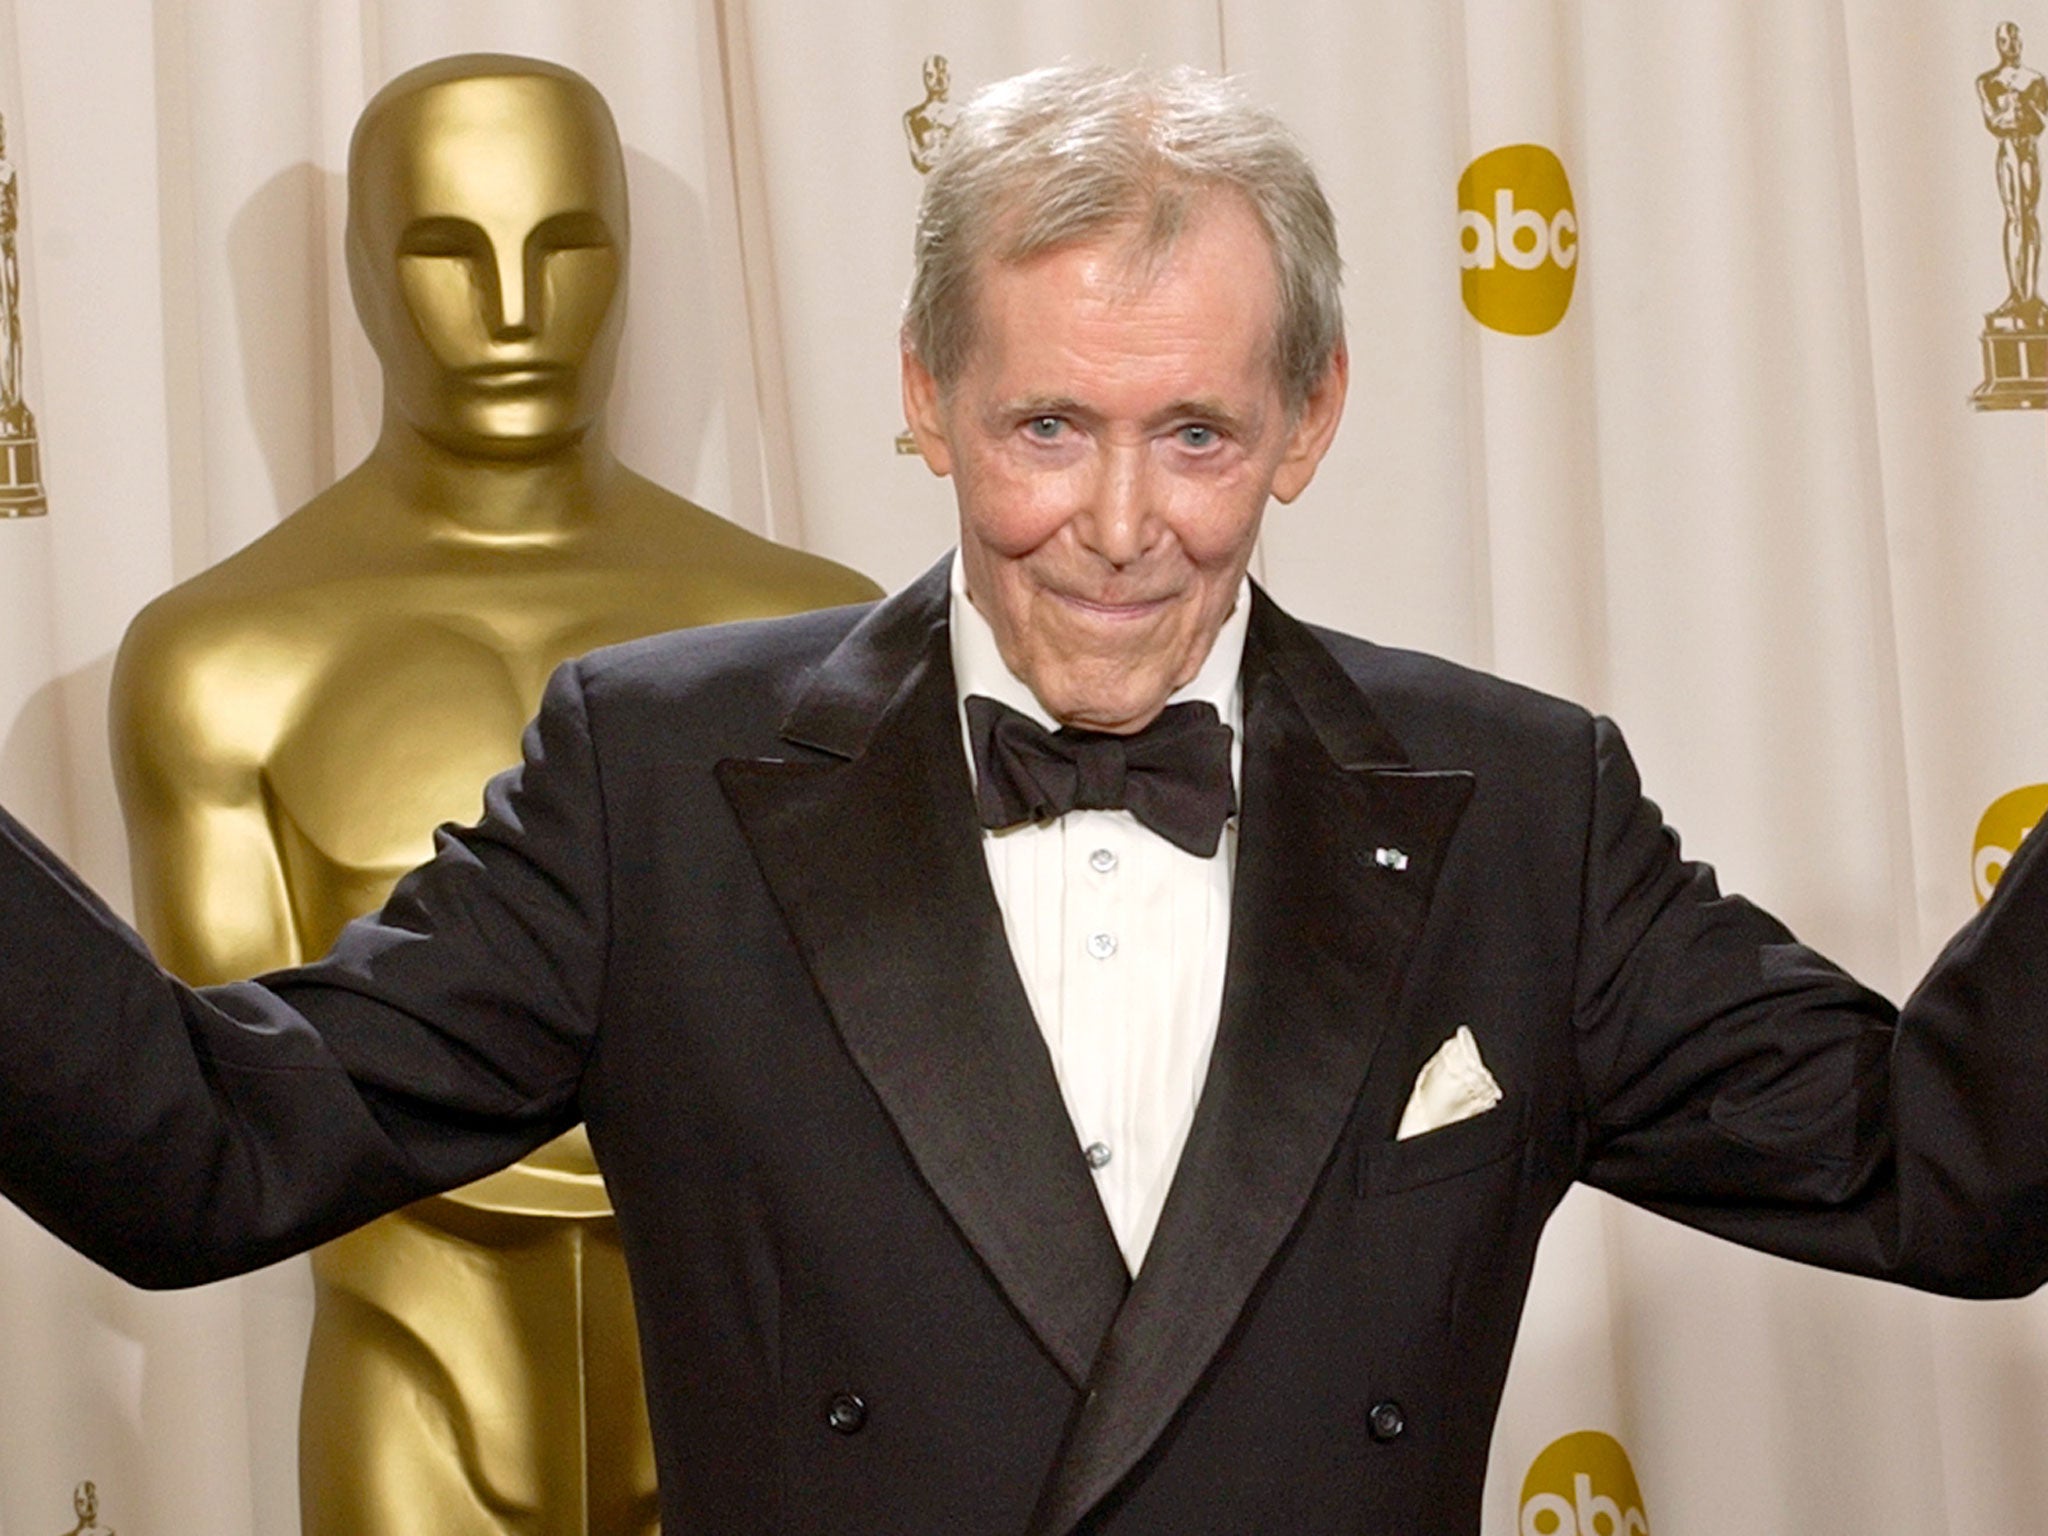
{"x":1390,"y":858}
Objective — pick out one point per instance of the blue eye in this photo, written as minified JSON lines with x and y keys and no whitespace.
{"x":1044,"y":428}
{"x":1196,"y":435}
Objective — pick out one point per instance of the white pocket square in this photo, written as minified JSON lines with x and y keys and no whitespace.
{"x":1453,"y":1085}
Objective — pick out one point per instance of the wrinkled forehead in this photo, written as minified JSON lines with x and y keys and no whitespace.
{"x":501,"y":151}
{"x":1132,"y":272}
{"x":1153,"y":241}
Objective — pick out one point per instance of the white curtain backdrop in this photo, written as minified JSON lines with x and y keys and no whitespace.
{"x":1738,"y":497}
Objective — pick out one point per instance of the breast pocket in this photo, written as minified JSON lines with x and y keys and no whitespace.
{"x":1440,"y":1220}
{"x":1449,"y":1152}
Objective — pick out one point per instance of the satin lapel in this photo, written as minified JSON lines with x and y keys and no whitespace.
{"x":874,"y":857}
{"x":1321,"y":931}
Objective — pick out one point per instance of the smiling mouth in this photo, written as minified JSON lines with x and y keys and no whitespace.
{"x":1102,"y":608}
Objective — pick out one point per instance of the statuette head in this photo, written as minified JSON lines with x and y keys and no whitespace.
{"x":487,"y":251}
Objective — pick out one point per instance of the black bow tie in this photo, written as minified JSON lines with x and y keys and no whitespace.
{"x":1174,"y":775}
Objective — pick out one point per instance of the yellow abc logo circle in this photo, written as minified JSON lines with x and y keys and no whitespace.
{"x":1582,"y":1485}
{"x":1518,"y":239}
{"x":2010,"y":818}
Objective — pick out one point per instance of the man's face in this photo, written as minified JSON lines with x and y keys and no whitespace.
{"x":1112,"y":441}
{"x":489,"y":261}
{"x":2008,"y":39}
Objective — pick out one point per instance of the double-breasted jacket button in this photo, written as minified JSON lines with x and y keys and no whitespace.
{"x":1387,"y":1421}
{"x":846,"y":1413}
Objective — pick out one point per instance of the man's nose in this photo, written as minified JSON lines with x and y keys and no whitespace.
{"x":1123,"y":517}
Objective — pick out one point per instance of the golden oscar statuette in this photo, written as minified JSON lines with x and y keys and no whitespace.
{"x":926,"y":127}
{"x":85,"y":1503}
{"x":21,"y":475}
{"x":291,"y":724}
{"x":2014,"y":102}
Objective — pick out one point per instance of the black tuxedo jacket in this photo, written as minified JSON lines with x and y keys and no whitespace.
{"x":733,"y":911}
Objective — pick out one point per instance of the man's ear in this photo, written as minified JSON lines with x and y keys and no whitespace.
{"x":1315,"y":424}
{"x":925,"y":415}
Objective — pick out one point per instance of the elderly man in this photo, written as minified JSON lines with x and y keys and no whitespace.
{"x":1071,"y":1048}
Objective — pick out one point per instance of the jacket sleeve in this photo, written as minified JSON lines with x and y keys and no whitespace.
{"x":178,"y":1136}
{"x":1740,"y":1083}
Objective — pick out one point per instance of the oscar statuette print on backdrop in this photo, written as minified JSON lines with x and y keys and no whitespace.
{"x":21,"y":477}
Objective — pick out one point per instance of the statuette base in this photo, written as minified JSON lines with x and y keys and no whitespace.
{"x":21,"y":478}
{"x":2015,"y":367}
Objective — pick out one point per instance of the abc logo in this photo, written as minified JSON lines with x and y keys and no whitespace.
{"x":1583,"y":1485}
{"x":1518,"y":239}
{"x":2010,"y":818}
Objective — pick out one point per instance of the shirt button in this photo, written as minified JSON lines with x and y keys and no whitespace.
{"x":1101,"y":945}
{"x":1097,"y":1154}
{"x":1387,"y":1421}
{"x":846,"y":1413}
{"x":1102,"y":860}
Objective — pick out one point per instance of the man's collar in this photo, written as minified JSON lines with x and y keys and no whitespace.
{"x":878,"y":664}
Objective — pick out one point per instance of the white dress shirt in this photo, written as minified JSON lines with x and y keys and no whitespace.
{"x":1120,"y":938}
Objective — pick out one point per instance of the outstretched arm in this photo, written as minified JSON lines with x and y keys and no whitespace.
{"x":179,"y":1136}
{"x":1740,"y":1083}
